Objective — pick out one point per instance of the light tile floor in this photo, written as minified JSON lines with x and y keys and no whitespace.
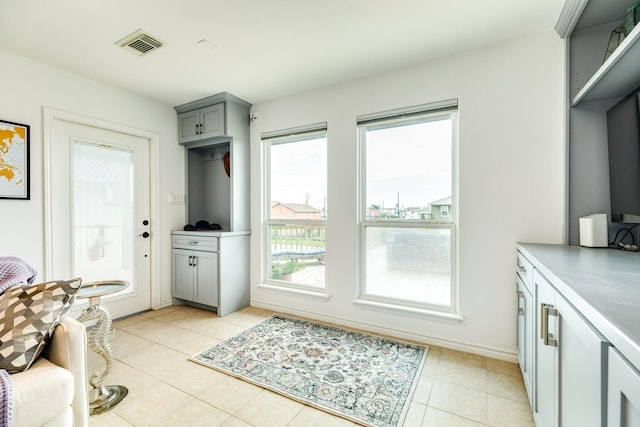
{"x":165,"y":389}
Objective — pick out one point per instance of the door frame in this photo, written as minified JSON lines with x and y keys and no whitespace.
{"x":50,"y":115}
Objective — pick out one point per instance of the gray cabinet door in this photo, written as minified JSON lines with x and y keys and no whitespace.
{"x":583,"y":363}
{"x":182,"y":274}
{"x":624,"y":392}
{"x":570,"y":364}
{"x":546,"y":379}
{"x":188,"y":126}
{"x":212,"y":121}
{"x":206,"y":278}
{"x":525,"y":337}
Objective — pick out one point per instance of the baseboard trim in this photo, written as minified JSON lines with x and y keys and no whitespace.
{"x":485,"y":351}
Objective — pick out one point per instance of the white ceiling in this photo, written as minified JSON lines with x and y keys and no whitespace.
{"x":257,"y":49}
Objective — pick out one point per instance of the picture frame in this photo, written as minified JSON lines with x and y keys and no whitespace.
{"x":15,"y":142}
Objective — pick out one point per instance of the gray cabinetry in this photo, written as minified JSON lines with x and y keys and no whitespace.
{"x":546,"y":357}
{"x":202,"y":123}
{"x":211,"y":129}
{"x":587,"y":341}
{"x":569,"y":359}
{"x":196,"y":276}
{"x":624,"y":392}
{"x":525,"y":339}
{"x":594,"y":86}
{"x":210,"y":269}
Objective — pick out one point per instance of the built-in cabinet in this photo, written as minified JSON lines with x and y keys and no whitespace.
{"x":570,"y":358}
{"x":624,"y":392}
{"x":211,"y":267}
{"x":594,"y":86}
{"x":216,"y":193}
{"x":585,"y":332}
{"x":525,"y":318}
{"x":201,"y":124}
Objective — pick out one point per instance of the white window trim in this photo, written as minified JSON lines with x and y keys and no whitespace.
{"x":268,"y":139}
{"x":448,"y":313}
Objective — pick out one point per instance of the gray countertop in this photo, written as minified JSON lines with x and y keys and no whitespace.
{"x":602,"y":284}
{"x":210,"y":233}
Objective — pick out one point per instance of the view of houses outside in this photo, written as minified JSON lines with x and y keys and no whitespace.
{"x":408,"y":224}
{"x":408,"y":179}
{"x":298,"y":210}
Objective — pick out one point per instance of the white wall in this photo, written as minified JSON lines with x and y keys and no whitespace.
{"x":27,"y":87}
{"x":511,"y":182}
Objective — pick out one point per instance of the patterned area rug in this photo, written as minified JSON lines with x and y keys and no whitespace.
{"x":364,"y":378}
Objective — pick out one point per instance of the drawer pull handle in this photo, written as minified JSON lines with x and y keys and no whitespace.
{"x":546,"y":336}
{"x":193,"y":242}
{"x":521,"y":308}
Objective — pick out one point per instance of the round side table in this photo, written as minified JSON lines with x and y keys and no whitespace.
{"x":101,"y":397}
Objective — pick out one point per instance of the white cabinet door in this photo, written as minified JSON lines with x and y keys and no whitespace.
{"x":206,"y":278}
{"x":624,"y":392}
{"x":546,"y":379}
{"x":583,"y":363}
{"x":182,"y":274}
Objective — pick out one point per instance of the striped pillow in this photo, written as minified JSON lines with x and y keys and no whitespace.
{"x":28,"y":316}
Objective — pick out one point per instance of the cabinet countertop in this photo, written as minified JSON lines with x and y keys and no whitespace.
{"x":602,"y":284}
{"x":211,"y":233}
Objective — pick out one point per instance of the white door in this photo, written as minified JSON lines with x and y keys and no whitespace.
{"x":99,"y":211}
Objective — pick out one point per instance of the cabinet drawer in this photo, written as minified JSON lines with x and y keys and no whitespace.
{"x":208,"y":244}
{"x":525,"y":271}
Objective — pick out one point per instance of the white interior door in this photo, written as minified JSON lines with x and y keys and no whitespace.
{"x":100,"y":211}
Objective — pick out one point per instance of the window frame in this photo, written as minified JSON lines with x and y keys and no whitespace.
{"x":269,"y":139}
{"x":393,"y":118}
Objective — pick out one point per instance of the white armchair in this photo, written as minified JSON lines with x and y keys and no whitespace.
{"x":53,"y":391}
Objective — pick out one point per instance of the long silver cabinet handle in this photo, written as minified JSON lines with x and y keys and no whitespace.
{"x":521,"y":309}
{"x":546,"y":336}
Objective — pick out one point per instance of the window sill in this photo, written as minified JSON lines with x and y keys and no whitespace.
{"x":298,"y":292}
{"x":410,"y":311}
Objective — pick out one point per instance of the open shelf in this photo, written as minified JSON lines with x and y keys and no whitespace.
{"x":618,"y":76}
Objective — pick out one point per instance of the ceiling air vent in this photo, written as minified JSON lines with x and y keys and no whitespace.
{"x":139,"y":43}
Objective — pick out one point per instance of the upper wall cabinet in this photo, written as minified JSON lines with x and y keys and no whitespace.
{"x":202,"y":123}
{"x":215,"y":134}
{"x":219,"y":116}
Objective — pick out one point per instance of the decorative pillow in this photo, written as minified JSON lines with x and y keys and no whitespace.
{"x":28,"y":316}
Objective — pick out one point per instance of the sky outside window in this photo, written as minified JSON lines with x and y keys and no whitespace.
{"x":411,"y":162}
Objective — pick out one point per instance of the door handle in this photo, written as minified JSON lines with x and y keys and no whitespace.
{"x":145,"y":235}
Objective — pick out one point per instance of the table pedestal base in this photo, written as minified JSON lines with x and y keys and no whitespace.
{"x":106,"y":397}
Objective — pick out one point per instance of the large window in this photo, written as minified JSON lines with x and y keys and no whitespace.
{"x":407,"y":205}
{"x":296,"y":210}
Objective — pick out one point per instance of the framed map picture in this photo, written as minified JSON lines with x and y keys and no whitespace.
{"x":14,"y":160}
